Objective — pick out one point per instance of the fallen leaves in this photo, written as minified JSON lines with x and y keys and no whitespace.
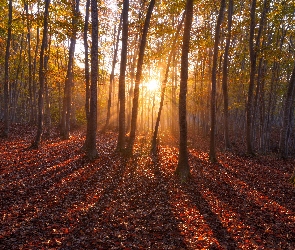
{"x":54,"y":198}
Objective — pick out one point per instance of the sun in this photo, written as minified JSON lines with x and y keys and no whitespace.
{"x":152,"y":85}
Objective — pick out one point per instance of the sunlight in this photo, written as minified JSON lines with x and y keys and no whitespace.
{"x":153,"y":85}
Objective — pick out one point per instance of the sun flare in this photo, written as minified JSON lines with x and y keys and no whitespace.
{"x":152,"y":85}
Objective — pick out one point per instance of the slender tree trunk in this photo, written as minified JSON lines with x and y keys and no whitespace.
{"x":15,"y":88}
{"x":163,"y":87}
{"x":285,"y":132}
{"x":47,"y":117}
{"x":113,"y":73}
{"x":37,"y":140}
{"x":87,"y":75}
{"x":225,"y":75}
{"x":6,"y":74}
{"x":121,"y":136}
{"x":30,"y":79}
{"x":67,"y":101}
{"x":183,"y":169}
{"x":212,"y":153}
{"x":34,"y":87}
{"x":253,"y":48}
{"x":91,"y":150}
{"x":86,"y":72}
{"x":249,"y":108}
{"x":138,"y":77}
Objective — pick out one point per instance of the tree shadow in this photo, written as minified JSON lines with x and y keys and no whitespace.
{"x":220,"y":232}
{"x":253,"y":213}
{"x":131,"y":213}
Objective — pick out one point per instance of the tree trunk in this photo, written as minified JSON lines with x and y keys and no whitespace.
{"x":42,"y":75}
{"x":225,"y":76}
{"x":253,"y":48}
{"x":6,"y":74}
{"x":121,"y":136}
{"x":30,"y":77}
{"x":212,"y":153}
{"x":91,"y":150}
{"x":138,"y":77}
{"x":155,"y":135}
{"x":285,"y":132}
{"x":113,"y":73}
{"x":249,"y":139}
{"x":34,"y":87}
{"x":67,"y":101}
{"x":183,"y":169}
{"x":86,"y":72}
{"x":47,"y":118}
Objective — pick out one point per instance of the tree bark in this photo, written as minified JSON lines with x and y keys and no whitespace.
{"x":121,"y":136}
{"x":212,"y":153}
{"x":253,"y":49}
{"x":86,"y":72}
{"x":42,"y":76}
{"x":30,"y":77}
{"x":34,"y":87}
{"x":163,"y":87}
{"x":183,"y":169}
{"x":67,"y":101}
{"x":91,"y":150}
{"x":6,"y":74}
{"x":113,"y":73}
{"x":138,"y":77}
{"x":225,"y":76}
{"x":285,"y":132}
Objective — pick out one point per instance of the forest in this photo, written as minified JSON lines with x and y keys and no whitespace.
{"x":147,"y":124}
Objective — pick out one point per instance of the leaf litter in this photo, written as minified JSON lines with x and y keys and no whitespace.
{"x":54,"y":198}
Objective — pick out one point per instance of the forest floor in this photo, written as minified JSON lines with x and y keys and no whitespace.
{"x":54,"y":198}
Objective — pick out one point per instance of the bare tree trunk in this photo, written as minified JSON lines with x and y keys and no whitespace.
{"x":253,"y":48}
{"x":34,"y":87}
{"x":225,"y":75}
{"x":6,"y":74}
{"x":183,"y":169}
{"x":121,"y":136}
{"x":86,"y":72}
{"x":285,"y":132}
{"x":30,"y":79}
{"x":37,"y":140}
{"x":212,"y":153}
{"x":113,"y":73}
{"x":138,"y":77}
{"x":67,"y":101}
{"x":163,"y":87}
{"x":91,"y":150}
{"x":47,"y":117}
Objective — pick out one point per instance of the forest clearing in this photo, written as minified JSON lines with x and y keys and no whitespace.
{"x":55,"y":198}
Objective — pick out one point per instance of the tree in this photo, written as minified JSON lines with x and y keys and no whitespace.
{"x":287,"y":115}
{"x":163,"y":87}
{"x":225,"y":75}
{"x":42,"y":76}
{"x":112,"y":75}
{"x":30,"y":80}
{"x":67,"y":101}
{"x":138,"y":77}
{"x":91,"y":150}
{"x":212,"y":153}
{"x":86,"y":69}
{"x":183,"y":169}
{"x":6,"y":73}
{"x":121,"y":135}
{"x":254,"y":45}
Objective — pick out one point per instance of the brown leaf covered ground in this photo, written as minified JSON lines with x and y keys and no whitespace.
{"x":54,"y":198}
